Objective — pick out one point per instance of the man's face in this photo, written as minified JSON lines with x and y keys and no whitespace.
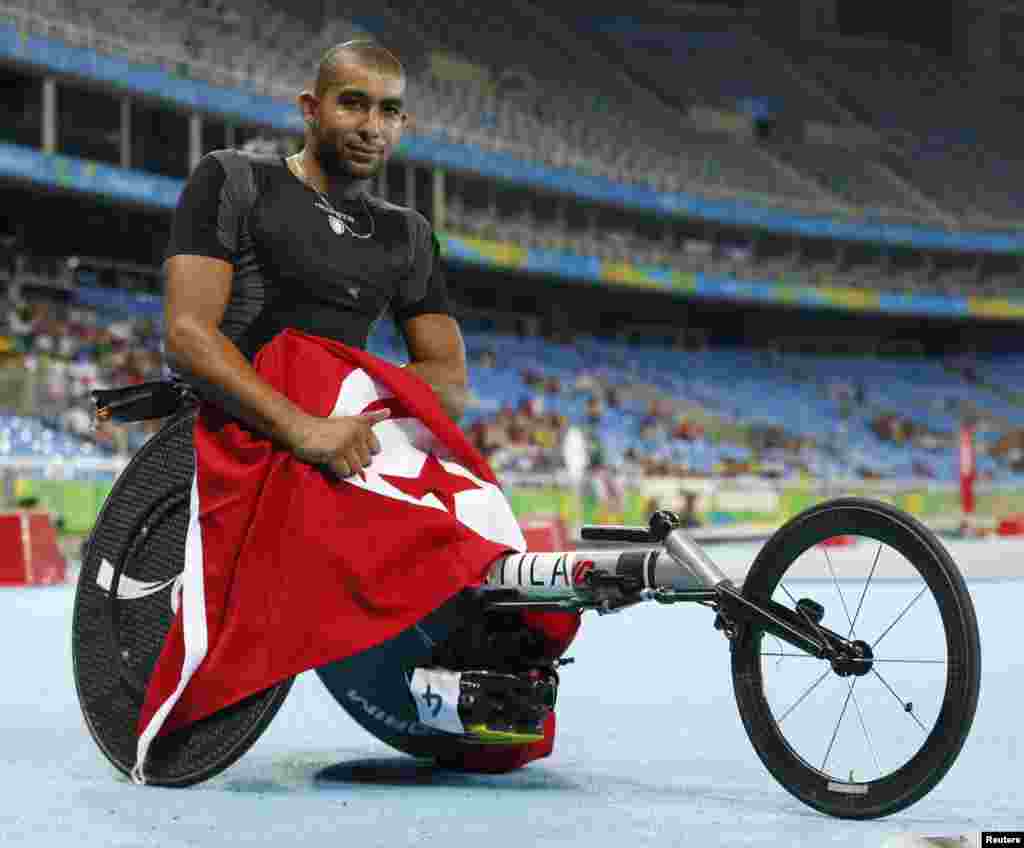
{"x":361,"y":118}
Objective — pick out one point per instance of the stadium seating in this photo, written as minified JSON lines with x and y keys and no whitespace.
{"x":978,"y":187}
{"x":653,"y":408}
{"x":24,"y":437}
{"x":719,"y":63}
{"x":525,"y":108}
{"x":722,"y":260}
{"x":819,"y":410}
{"x":898,"y":86}
{"x":861,"y":182}
{"x":706,"y":411}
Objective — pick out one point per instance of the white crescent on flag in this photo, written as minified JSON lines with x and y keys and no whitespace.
{"x":408,"y":450}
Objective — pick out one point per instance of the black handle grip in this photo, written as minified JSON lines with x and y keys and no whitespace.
{"x":615,"y":533}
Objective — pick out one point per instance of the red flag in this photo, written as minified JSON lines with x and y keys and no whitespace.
{"x":286,"y":569}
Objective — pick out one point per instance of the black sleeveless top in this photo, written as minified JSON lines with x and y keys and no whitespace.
{"x":293,"y":267}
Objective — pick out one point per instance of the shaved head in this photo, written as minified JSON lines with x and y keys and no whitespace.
{"x":365,"y":54}
{"x":356,"y":113}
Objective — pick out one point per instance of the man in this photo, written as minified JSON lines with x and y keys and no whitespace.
{"x":315,"y":252}
{"x":227,"y":278}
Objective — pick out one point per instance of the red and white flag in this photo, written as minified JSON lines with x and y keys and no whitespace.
{"x":287,"y":569}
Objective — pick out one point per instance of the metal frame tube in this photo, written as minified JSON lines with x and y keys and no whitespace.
{"x":559,"y":576}
{"x":691,"y":556}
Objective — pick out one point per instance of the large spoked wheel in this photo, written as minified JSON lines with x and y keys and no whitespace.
{"x":124,"y":608}
{"x":868,"y":738}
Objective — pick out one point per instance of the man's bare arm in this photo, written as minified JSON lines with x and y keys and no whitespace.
{"x":438,"y":355}
{"x":198,"y":288}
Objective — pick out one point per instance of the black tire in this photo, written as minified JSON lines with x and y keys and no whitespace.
{"x":908,"y":783}
{"x":140,"y":534}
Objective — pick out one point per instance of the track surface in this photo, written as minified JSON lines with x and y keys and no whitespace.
{"x":650,"y":751}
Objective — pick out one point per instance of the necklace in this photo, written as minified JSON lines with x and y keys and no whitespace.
{"x":340,"y":222}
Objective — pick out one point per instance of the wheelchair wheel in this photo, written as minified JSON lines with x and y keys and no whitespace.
{"x":866,"y":739}
{"x":123,"y":611}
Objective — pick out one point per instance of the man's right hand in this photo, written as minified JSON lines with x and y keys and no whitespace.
{"x":342,"y":445}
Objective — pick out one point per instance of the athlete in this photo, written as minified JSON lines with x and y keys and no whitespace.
{"x":260,"y":244}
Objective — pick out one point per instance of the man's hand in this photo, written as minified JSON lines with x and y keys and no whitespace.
{"x":340,"y":445}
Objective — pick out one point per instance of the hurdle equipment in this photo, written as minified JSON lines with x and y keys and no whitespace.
{"x":31,"y":554}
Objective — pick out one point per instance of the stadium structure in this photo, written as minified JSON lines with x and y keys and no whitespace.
{"x":752,"y":254}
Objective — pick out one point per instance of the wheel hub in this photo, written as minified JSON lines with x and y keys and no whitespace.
{"x":857,"y":661}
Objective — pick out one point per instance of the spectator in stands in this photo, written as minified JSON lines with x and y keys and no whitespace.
{"x":532,"y":377}
{"x":545,"y":433}
{"x":688,"y":514}
{"x":687,"y":430}
{"x":485,"y":359}
{"x":650,"y":428}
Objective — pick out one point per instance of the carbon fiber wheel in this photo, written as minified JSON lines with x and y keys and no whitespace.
{"x":868,"y":737}
{"x":123,"y":611}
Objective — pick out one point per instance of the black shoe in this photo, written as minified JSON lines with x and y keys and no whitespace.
{"x":499,"y":708}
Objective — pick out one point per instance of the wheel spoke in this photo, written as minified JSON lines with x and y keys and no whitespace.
{"x":864,"y":727}
{"x":906,"y":609}
{"x":835,"y":732}
{"x":894,"y":659}
{"x":852,"y":659}
{"x":787,"y":654}
{"x":907,"y":707}
{"x":807,"y":692}
{"x":839,"y":591}
{"x":782,"y":586}
{"x":864,"y":593}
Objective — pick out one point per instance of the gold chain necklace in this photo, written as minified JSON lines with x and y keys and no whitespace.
{"x":340,"y":222}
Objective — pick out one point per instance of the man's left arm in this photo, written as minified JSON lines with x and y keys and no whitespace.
{"x":438,"y":354}
{"x":424,"y":314}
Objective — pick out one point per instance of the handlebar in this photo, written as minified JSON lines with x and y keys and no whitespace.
{"x":662,"y":523}
{"x":616,"y":533}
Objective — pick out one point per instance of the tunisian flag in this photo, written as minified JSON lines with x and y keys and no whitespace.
{"x":287,"y":569}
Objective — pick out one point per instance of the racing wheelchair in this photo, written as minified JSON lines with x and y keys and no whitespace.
{"x":813,"y":618}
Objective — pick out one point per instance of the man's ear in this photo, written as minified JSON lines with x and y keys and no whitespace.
{"x":309,"y":105}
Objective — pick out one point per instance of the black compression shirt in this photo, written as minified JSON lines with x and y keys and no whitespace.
{"x":291,"y":267}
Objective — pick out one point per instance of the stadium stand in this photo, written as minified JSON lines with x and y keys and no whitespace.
{"x":732,"y":411}
{"x":651,"y":409}
{"x":470,"y":85}
{"x":723,"y":258}
{"x":861,"y":182}
{"x":974,"y":184}
{"x":724,"y":64}
{"x":898,"y":87}
{"x":52,"y":355}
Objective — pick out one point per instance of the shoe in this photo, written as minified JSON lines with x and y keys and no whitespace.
{"x":499,"y":708}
